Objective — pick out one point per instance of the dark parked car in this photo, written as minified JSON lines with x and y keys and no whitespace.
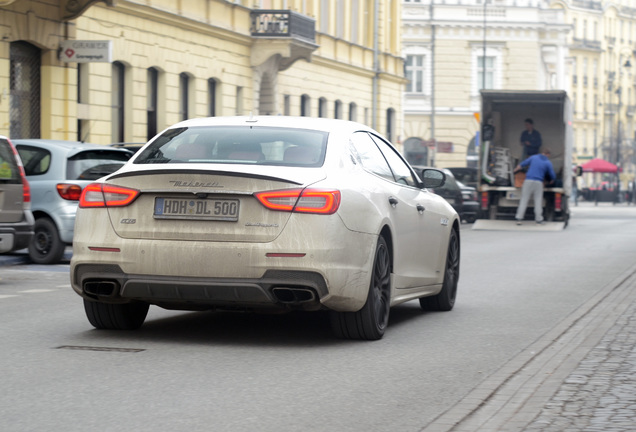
{"x":466,"y":175}
{"x":470,"y":207}
{"x":463,"y":198}
{"x":16,"y":219}
{"x":132,"y":146}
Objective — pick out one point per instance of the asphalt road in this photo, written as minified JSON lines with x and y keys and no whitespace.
{"x":243,"y":372}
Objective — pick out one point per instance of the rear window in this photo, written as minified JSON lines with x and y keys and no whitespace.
{"x":94,"y":164}
{"x":9,"y":171}
{"x":36,"y":160}
{"x":237,"y":145}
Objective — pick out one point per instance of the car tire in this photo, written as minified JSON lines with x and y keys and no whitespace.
{"x":445,"y":300}
{"x":45,"y":246}
{"x":120,"y":316}
{"x":370,"y":322}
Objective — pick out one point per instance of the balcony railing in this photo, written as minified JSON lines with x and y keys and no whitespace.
{"x":282,"y":24}
{"x":588,"y":4}
{"x":593,"y":45}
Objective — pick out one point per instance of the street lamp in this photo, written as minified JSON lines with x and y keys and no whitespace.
{"x":619,"y":132}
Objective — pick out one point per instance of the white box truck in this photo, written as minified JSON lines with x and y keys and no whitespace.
{"x":503,"y":114}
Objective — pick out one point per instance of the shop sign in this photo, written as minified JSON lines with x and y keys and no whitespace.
{"x":86,"y":51}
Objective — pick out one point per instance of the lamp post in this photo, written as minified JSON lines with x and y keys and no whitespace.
{"x":619,"y":131}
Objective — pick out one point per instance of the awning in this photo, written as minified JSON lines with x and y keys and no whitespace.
{"x":599,"y":166}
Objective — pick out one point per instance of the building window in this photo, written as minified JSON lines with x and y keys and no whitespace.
{"x":337,"y":110}
{"x":82,"y":98}
{"x":305,"y":105}
{"x":390,"y":123}
{"x":152,"y":109}
{"x":324,"y":16}
{"x":322,"y":107}
{"x":486,"y":72}
{"x":415,"y":73}
{"x":286,"y":105}
{"x":24,"y":86}
{"x":118,"y":101}
{"x":239,"y":100}
{"x":212,"y":92}
{"x":353,"y":112}
{"x":184,"y":96}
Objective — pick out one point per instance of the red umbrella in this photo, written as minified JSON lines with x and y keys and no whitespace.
{"x":599,"y":166}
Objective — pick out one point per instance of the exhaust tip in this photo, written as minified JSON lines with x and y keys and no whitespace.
{"x":101,"y":288}
{"x":293,"y":295}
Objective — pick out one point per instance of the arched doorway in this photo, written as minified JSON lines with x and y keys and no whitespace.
{"x":24,"y":112}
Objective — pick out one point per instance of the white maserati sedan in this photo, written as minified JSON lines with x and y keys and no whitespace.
{"x":262,"y":213}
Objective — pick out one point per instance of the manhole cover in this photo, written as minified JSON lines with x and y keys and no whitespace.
{"x":93,"y":348}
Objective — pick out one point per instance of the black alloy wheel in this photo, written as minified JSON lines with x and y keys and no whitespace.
{"x":445,"y":300}
{"x":370,"y":322}
{"x":45,"y":246}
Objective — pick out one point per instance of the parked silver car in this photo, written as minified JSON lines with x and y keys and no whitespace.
{"x":270,"y":213}
{"x":16,"y":219}
{"x":57,"y":171}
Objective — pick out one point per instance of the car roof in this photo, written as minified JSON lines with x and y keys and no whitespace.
{"x":68,"y":146}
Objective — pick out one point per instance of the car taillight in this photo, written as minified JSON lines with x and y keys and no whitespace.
{"x":557,"y":201}
{"x":69,"y":192}
{"x":105,"y":195}
{"x":484,"y":200}
{"x":26,"y":189}
{"x":318,"y":201}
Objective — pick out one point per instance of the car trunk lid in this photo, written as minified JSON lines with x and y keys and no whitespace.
{"x":200,"y":205}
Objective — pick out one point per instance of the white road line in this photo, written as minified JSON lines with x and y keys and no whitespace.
{"x":63,"y":286}
{"x":7,"y":296}
{"x":32,"y":291}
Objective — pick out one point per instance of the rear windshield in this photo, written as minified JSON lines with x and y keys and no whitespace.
{"x":237,"y":145}
{"x":93,"y":164}
{"x":9,"y":171}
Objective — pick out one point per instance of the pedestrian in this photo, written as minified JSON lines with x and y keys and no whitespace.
{"x":530,"y":139}
{"x":539,"y":169}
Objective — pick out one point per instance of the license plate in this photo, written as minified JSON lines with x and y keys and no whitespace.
{"x":197,"y":209}
{"x":513,"y":195}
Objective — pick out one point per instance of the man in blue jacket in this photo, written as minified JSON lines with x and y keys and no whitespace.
{"x":539,"y":171}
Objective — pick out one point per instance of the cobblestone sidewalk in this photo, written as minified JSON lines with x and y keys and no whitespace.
{"x":579,"y":377}
{"x":600,"y":395}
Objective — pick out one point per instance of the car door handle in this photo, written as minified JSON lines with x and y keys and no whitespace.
{"x":393,"y":201}
{"x":420,"y":208}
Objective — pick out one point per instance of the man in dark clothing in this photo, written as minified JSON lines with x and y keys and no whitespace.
{"x":530,"y":140}
{"x":539,"y":168}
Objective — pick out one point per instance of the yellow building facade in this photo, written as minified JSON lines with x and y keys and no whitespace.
{"x":453,"y":49}
{"x":163,"y":61}
{"x":602,"y":76}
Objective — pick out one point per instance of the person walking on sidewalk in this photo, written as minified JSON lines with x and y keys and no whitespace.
{"x":540,"y":169}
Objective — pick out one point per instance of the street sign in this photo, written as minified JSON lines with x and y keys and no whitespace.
{"x":86,"y":51}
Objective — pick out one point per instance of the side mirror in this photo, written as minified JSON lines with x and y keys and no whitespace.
{"x":432,"y":178}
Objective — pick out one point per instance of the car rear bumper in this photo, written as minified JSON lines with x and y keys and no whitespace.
{"x":333,"y":273}
{"x":16,"y":236}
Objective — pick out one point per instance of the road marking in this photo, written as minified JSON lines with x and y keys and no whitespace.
{"x":94,"y":348}
{"x":63,"y":286}
{"x":7,"y":296}
{"x":31,"y":291}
